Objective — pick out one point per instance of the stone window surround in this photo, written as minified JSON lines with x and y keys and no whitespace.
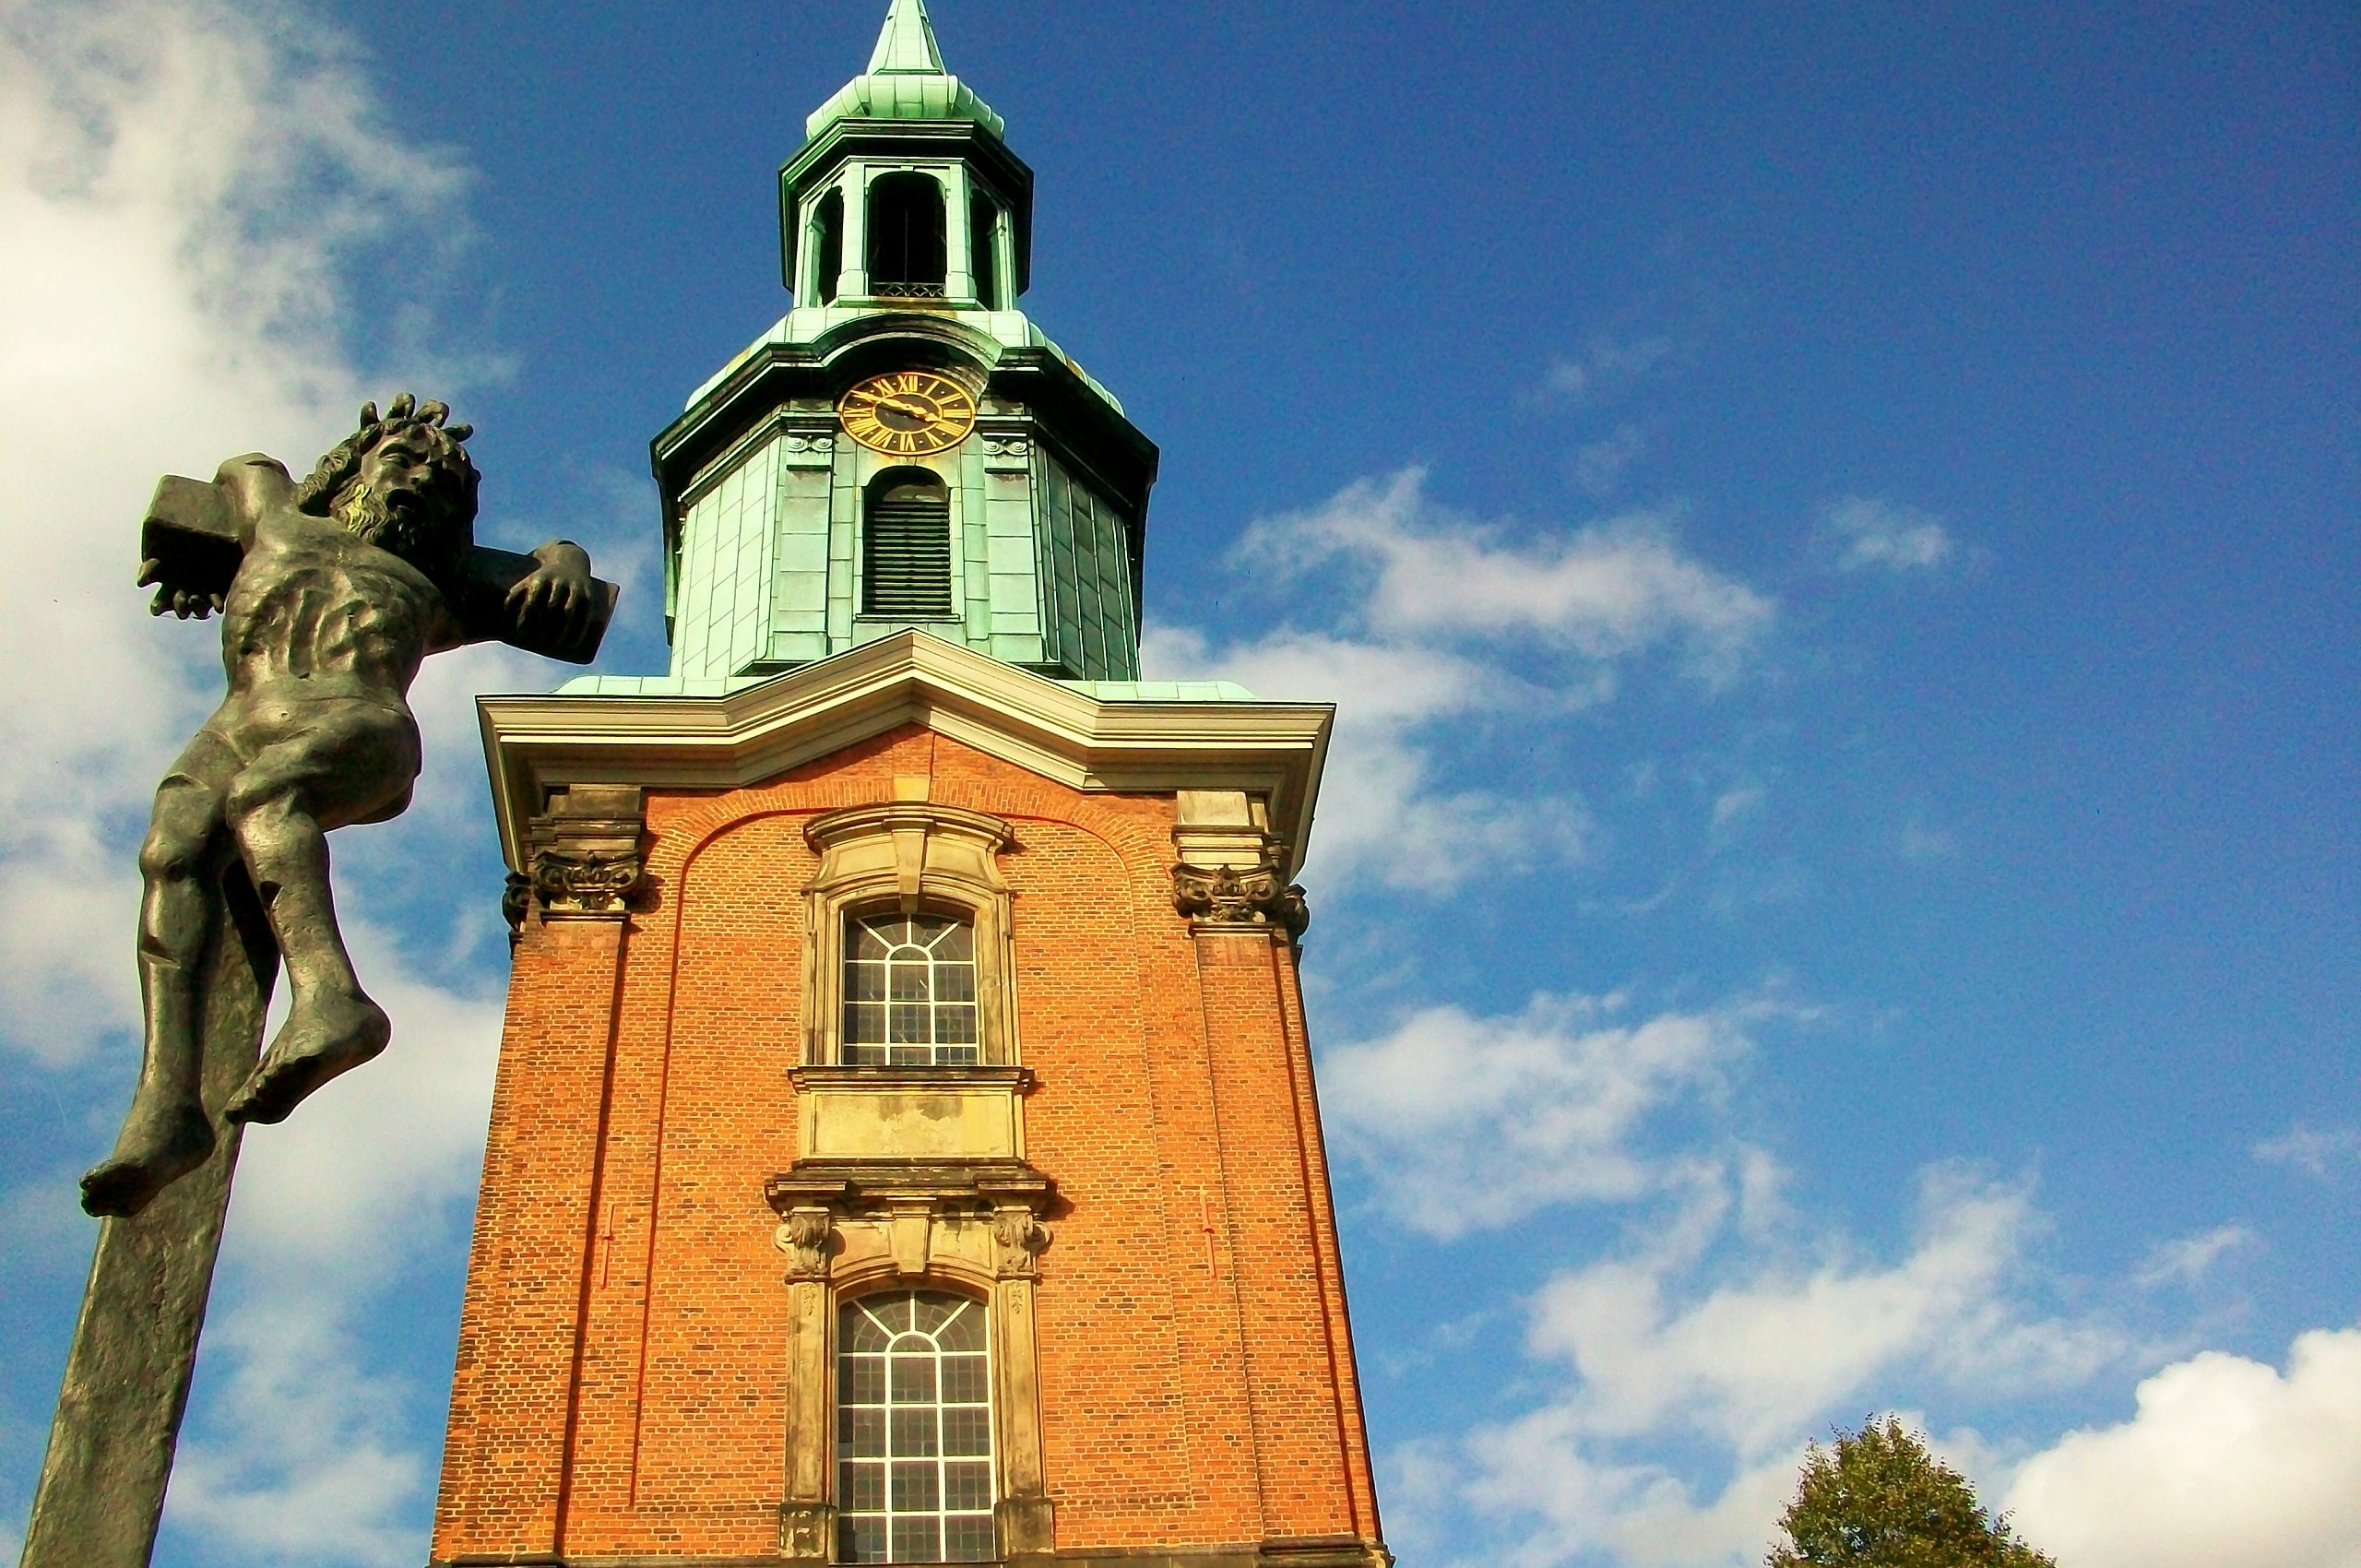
{"x":974,"y":1230}
{"x":908,"y":854}
{"x":855,"y":1219}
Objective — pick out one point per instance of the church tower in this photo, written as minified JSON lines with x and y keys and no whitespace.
{"x":904,"y":1146}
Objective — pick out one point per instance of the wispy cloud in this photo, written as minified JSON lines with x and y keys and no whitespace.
{"x":1607,"y":366}
{"x":1428,"y":622}
{"x":2187,"y":1259}
{"x":1466,"y":1123}
{"x":1599,"y":465}
{"x":1693,"y":1368}
{"x":1605,"y":591}
{"x":314,"y":1464}
{"x":1875,"y":533}
{"x":2313,"y":1150}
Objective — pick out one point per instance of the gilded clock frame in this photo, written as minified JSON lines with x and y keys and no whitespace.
{"x":953,"y":417}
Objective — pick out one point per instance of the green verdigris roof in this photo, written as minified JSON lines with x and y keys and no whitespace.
{"x":905,"y":81}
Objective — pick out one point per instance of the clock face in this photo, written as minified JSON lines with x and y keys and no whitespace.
{"x":907,"y":412}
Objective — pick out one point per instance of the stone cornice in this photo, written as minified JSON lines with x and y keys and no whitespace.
{"x":534,"y":744}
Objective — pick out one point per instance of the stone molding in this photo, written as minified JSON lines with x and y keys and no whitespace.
{"x":585,"y":861}
{"x":859,"y":1189}
{"x":1272,"y":750}
{"x":816,"y":1523}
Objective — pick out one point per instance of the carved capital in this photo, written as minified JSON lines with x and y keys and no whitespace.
{"x":516,"y":903}
{"x":1251,"y":896}
{"x":805,"y":1239}
{"x":585,"y":883}
{"x":1021,"y":1240}
{"x":585,"y":861}
{"x":807,"y":1532}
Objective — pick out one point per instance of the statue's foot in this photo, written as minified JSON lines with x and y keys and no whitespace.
{"x":323,"y":1036}
{"x":158,"y":1146}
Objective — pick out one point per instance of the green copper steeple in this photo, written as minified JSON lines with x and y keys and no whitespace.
{"x":906,"y":43}
{"x":905,"y":80}
{"x":797,"y":528}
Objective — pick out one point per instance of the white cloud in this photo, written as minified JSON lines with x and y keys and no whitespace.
{"x":1606,"y":591}
{"x":317,"y":1469}
{"x":2228,"y":1463}
{"x":1389,"y":812}
{"x":1879,"y":533}
{"x":1438,"y":637}
{"x":388,"y":1149}
{"x":1753,"y":1359}
{"x":1697,"y":1366}
{"x":1639,"y":1512}
{"x":1465,"y":1123}
{"x":2310,"y":1149}
{"x":300,"y":1456}
{"x":2191,"y":1258}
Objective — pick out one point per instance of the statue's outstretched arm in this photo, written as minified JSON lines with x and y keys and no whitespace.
{"x":546,"y":602}
{"x":195,"y":534}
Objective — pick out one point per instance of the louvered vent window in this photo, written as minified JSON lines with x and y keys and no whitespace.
{"x":906,"y":550}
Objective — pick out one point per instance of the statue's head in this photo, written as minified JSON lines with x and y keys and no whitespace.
{"x":402,"y":482}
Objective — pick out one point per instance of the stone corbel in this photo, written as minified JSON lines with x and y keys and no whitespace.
{"x":585,"y":860}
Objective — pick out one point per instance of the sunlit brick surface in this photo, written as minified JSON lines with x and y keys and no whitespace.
{"x":623,"y":1342}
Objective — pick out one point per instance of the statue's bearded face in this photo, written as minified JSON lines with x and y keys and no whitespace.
{"x":408,"y":497}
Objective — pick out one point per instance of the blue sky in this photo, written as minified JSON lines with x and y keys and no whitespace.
{"x":1834,"y":534}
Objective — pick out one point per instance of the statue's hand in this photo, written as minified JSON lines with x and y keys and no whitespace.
{"x":554,"y":602}
{"x":182,"y":602}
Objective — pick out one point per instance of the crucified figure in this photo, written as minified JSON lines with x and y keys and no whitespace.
{"x":332,"y":592}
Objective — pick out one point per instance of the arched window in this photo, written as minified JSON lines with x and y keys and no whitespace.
{"x":911,"y":990}
{"x":983,"y":249}
{"x":905,"y":545}
{"x":906,"y":253}
{"x":914,"y":1430}
{"x":827,"y":245}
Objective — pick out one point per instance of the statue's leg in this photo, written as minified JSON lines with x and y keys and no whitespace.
{"x":166,"y":1133}
{"x":278,"y":810}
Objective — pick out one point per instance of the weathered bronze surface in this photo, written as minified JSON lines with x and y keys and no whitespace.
{"x":332,"y":592}
{"x":127,"y":1375}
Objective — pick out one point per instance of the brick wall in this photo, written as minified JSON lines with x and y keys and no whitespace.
{"x":624,"y":1334}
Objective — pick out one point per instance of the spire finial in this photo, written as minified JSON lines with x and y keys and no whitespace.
{"x":907,"y":45}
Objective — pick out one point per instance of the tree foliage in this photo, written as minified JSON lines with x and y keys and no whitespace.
{"x":1880,"y":1500}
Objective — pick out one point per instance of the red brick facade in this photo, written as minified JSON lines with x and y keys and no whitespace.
{"x":621,"y":1389}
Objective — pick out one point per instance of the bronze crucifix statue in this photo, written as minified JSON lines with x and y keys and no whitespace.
{"x":332,"y":592}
